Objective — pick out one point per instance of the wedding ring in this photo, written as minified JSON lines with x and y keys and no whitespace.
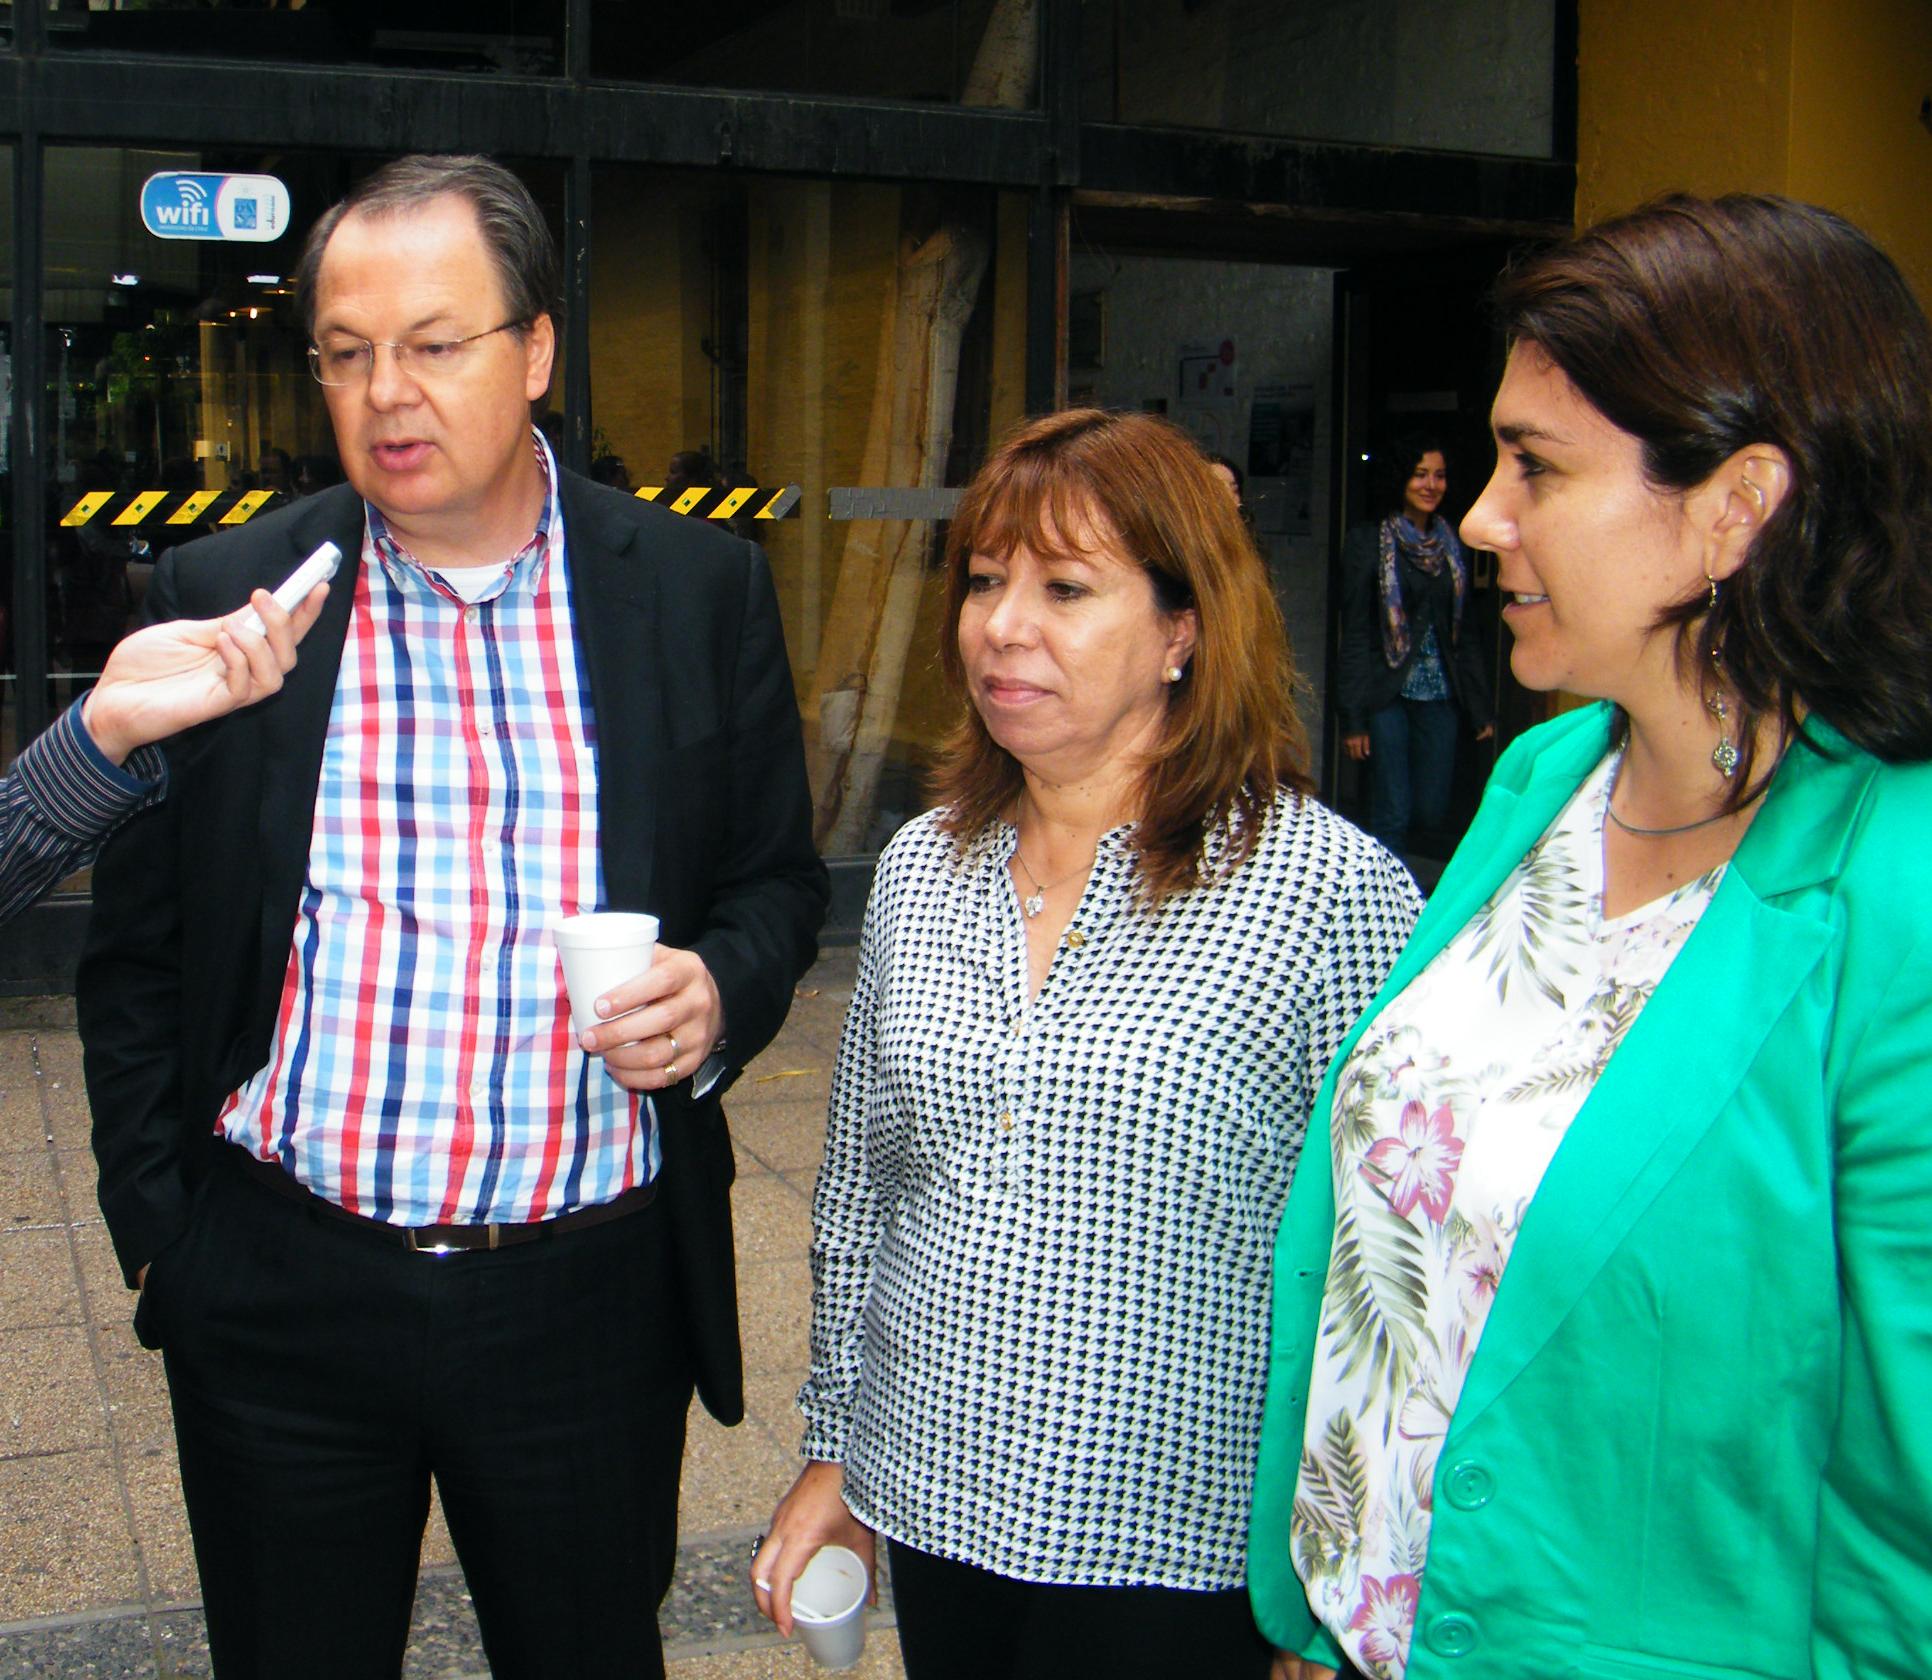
{"x":671,"y":1072}
{"x":673,"y":1037}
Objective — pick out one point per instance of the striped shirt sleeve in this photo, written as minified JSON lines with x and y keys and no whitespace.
{"x":62,"y":799}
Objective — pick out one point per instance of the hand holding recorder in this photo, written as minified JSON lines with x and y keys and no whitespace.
{"x":169,"y":677}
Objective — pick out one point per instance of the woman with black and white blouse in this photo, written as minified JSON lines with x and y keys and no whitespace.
{"x":1097,"y":989}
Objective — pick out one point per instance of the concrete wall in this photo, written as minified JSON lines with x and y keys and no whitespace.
{"x":1281,"y":323}
{"x":1859,"y":72}
{"x":1815,"y":98}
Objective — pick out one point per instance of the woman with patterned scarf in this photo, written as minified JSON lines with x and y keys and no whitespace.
{"x":1406,"y":657}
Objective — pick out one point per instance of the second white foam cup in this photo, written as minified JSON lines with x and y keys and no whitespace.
{"x":600,"y":950}
{"x":828,"y":1606}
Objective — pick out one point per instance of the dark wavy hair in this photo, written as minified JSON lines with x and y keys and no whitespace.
{"x":1703,"y":326}
{"x":1233,"y":737}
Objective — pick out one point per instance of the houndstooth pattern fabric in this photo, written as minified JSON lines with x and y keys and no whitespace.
{"x":1043,"y":1229}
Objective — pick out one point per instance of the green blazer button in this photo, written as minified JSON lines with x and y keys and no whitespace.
{"x":1452,"y":1635}
{"x":1469,"y":1485}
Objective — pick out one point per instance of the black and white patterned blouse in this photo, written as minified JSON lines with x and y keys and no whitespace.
{"x":1043,"y":1229}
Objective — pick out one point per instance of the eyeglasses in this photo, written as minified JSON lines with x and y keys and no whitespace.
{"x":350,"y":361}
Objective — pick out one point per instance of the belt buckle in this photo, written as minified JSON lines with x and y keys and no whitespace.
{"x":441,"y":1249}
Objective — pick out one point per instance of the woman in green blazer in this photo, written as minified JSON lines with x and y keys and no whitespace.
{"x":1603,"y":1337}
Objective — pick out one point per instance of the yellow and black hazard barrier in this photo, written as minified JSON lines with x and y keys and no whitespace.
{"x":752,"y":501}
{"x":162,"y":508}
{"x":170,"y":507}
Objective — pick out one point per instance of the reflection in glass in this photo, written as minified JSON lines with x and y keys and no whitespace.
{"x":768,"y":332}
{"x":176,"y":386}
{"x":854,"y":49}
{"x":1438,"y":74}
{"x":178,"y":394}
{"x":520,"y":37}
{"x":179,"y":397}
{"x":10,"y":742}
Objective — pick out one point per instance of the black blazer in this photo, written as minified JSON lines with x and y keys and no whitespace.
{"x":704,"y":821}
{"x":1365,"y":681}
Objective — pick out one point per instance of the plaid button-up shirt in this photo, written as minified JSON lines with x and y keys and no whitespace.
{"x":424,"y":1069}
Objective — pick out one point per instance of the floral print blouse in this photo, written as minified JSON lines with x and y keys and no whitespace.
{"x":1446,"y":1116}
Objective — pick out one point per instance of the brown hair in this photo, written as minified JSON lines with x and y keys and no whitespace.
{"x":514,"y":232}
{"x":1700,"y":327}
{"x":1233,"y":738}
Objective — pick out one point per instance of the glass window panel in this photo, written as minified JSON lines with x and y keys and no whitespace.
{"x":1456,"y":75}
{"x":853,"y":49}
{"x":178,"y":390}
{"x":523,"y":37}
{"x":10,"y":742}
{"x":174,"y":367}
{"x":757,"y":332}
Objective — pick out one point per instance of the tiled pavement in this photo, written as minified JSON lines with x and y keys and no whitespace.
{"x":96,"y":1574}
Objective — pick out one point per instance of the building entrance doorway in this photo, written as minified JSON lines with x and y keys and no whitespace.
{"x":1303,"y":351}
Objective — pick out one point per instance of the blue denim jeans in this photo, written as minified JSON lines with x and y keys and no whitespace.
{"x":1412,"y":766}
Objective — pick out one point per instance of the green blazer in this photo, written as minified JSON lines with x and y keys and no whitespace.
{"x":1696,"y":1438}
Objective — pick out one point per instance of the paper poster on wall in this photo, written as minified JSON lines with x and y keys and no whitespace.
{"x":1205,"y":373}
{"x":1281,"y":448}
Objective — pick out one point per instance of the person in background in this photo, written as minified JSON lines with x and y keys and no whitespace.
{"x":610,"y":469}
{"x":694,"y":469}
{"x":97,"y":765}
{"x":690,"y":469}
{"x":1096,"y":988}
{"x":1602,"y":1340}
{"x":310,"y":473}
{"x":1406,"y":659}
{"x":1231,"y":476}
{"x":275,"y":470}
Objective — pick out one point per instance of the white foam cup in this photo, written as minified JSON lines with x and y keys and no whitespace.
{"x":828,"y":1606}
{"x":600,"y":950}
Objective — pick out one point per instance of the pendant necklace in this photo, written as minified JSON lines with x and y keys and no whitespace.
{"x":1034,"y":902}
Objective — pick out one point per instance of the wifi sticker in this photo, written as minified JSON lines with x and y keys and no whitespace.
{"x":178,"y":204}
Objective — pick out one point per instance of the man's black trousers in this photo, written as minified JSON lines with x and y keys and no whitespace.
{"x":322,"y":1374}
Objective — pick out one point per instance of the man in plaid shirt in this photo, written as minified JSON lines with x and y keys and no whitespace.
{"x":394,"y":1219}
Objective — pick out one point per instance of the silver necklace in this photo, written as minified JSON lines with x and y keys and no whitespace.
{"x":1610,"y":811}
{"x":1034,"y":902}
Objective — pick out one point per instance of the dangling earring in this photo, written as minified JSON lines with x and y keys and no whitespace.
{"x":1724,"y":754}
{"x":1174,"y":673}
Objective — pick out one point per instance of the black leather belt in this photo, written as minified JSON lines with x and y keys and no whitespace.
{"x":438,"y":1239}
